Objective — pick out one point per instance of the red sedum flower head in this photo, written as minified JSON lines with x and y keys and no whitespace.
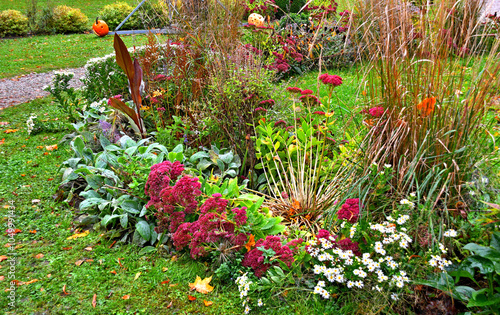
{"x":349,"y":211}
{"x":333,"y":80}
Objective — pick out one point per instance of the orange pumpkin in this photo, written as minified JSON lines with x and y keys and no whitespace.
{"x":100,"y":27}
{"x":256,"y":19}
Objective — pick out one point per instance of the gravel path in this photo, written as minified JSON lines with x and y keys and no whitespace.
{"x":25,"y":88}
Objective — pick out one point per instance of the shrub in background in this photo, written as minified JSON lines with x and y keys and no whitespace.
{"x":69,"y":20}
{"x":13,"y":22}
{"x":103,"y":79}
{"x":114,"y":14}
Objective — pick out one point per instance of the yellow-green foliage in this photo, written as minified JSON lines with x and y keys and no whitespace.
{"x":13,"y":22}
{"x":114,"y":14}
{"x":69,"y":20}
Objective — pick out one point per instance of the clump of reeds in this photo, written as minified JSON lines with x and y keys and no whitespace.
{"x":429,"y":70}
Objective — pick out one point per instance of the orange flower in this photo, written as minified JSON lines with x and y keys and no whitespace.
{"x":426,"y":107}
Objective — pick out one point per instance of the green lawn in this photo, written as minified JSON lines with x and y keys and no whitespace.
{"x":90,"y":8}
{"x":44,"y":53}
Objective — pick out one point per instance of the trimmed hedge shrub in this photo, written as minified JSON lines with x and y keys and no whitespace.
{"x":69,"y":20}
{"x":114,"y":14}
{"x":13,"y":22}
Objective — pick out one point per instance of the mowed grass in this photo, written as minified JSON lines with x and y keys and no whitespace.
{"x":45,"y":53}
{"x":90,"y":8}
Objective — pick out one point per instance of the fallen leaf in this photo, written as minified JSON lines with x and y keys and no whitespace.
{"x":207,"y":303}
{"x":126,"y":297}
{"x":89,"y":249}
{"x":40,"y":147}
{"x":165,"y":282}
{"x":11,"y":130}
{"x":174,"y":258}
{"x":164,"y":269}
{"x":67,"y":248}
{"x":250,"y":243}
{"x":83,"y":234}
{"x":51,"y":179}
{"x":201,"y":286}
{"x":94,"y":300}
{"x":2,"y":141}
{"x":112,"y":244}
{"x":173,"y":285}
{"x":35,"y":201}
{"x":39,"y":256}
{"x":13,"y":231}
{"x":4,"y":123}
{"x":113,"y":272}
{"x":137,"y":276}
{"x":79,"y":262}
{"x":31,"y":281}
{"x":120,"y":262}
{"x":1,"y":278}
{"x":51,"y":147}
{"x":3,"y":257}
{"x":33,"y":231}
{"x":191,"y":298}
{"x":64,"y":290}
{"x":49,"y":275}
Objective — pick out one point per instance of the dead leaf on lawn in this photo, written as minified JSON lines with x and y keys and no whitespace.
{"x":1,"y":278}
{"x":165,"y":282}
{"x":35,"y":201}
{"x":51,"y":147}
{"x":3,"y":257}
{"x":94,"y":300}
{"x":13,"y":231}
{"x":126,"y":297}
{"x":191,"y":298}
{"x":79,"y":262}
{"x":137,"y":276}
{"x":169,"y":304}
{"x":2,"y":141}
{"x":113,"y":272}
{"x":173,"y":285}
{"x":11,"y":130}
{"x":174,"y":258}
{"x":31,"y":281}
{"x":83,"y":234}
{"x":67,"y":248}
{"x":207,"y":303}
{"x":4,"y":123}
{"x":164,"y":269}
{"x":39,"y":256}
{"x":33,"y":231}
{"x":64,"y":290}
{"x":201,"y":286}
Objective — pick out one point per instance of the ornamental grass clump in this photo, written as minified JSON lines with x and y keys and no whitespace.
{"x":428,"y":84}
{"x":304,"y":169}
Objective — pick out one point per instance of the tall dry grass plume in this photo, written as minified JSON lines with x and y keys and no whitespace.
{"x":434,"y":72}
